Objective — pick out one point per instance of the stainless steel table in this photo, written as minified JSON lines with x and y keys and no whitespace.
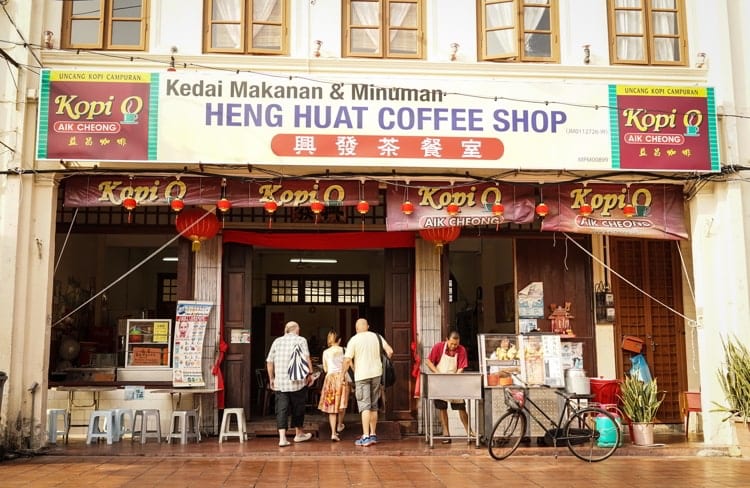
{"x":446,"y":386}
{"x":95,"y":391}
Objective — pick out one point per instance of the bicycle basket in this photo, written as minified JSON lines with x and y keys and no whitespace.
{"x":515,"y":398}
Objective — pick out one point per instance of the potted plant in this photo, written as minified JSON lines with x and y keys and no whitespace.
{"x":640,"y":401}
{"x":734,"y":380}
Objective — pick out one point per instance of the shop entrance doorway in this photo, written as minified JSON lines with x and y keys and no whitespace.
{"x":262,"y":290}
{"x":653,"y":268}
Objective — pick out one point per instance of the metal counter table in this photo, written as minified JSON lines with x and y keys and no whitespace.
{"x":93,"y":404}
{"x":442,"y":386}
{"x":176,"y":393}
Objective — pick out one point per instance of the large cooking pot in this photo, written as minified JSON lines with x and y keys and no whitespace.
{"x":577,"y":382}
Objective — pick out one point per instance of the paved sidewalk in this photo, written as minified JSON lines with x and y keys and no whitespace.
{"x":371,"y":470}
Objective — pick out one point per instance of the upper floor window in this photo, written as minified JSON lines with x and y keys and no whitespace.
{"x":519,"y":30}
{"x":247,"y":26}
{"x":647,"y":32}
{"x":105,"y":24}
{"x":383,"y":28}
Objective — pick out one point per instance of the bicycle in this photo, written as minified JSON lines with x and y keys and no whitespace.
{"x":591,"y":433}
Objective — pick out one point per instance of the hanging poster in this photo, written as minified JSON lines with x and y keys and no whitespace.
{"x":187,"y":353}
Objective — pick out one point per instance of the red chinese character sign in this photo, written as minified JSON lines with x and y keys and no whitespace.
{"x":664,"y":128}
{"x":85,"y":115}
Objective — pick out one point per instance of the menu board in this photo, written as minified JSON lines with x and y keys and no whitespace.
{"x":187,"y":353}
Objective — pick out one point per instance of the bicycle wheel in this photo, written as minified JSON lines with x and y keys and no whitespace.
{"x":507,"y":434}
{"x":592,"y":434}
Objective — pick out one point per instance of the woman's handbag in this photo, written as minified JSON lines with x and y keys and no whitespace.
{"x":389,"y":374}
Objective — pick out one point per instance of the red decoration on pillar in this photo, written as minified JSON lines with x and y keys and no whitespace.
{"x":363,"y":207}
{"x":197,"y":225}
{"x":542,"y":209}
{"x":129,"y":203}
{"x":440,"y":236}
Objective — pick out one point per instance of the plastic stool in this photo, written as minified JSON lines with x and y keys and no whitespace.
{"x":226,"y":421}
{"x":123,"y":422}
{"x":186,"y":424}
{"x":96,"y":431}
{"x":142,"y":431}
{"x":53,"y":414}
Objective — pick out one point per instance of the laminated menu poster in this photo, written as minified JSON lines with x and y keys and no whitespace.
{"x":187,"y":354}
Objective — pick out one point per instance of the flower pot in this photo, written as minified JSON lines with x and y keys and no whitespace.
{"x":643,"y":433}
{"x":742,"y":434}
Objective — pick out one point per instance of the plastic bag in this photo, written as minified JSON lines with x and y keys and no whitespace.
{"x":639,"y":369}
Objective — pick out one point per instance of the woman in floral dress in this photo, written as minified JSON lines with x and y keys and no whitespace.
{"x":334,"y":396}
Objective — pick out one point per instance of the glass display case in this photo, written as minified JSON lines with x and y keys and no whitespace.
{"x":148,"y":343}
{"x":499,"y":359}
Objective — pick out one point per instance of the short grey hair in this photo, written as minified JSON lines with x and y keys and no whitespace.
{"x":291,"y":327}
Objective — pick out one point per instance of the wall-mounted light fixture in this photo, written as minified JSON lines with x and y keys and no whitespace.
{"x":314,"y":260}
{"x":316,"y":51}
{"x":169,"y":258}
{"x":454,"y":50}
{"x":586,"y":53}
{"x":47,"y":41}
{"x":700,"y":61}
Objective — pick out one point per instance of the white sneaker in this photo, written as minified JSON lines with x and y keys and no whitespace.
{"x":303,"y":437}
{"x":284,"y":443}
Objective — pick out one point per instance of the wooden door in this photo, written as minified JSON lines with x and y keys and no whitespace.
{"x":565,"y":270}
{"x":237,"y":313}
{"x":399,"y":286}
{"x":652,"y":268}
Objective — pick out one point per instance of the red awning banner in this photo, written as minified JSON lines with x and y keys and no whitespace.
{"x":328,"y":240}
{"x":473,"y":205}
{"x":101,"y":191}
{"x":657,"y":210}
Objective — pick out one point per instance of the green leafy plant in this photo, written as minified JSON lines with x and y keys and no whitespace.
{"x":734,"y":380}
{"x":640,"y":399}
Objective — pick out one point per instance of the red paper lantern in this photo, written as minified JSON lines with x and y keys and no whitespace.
{"x":177,"y":204}
{"x":197,"y":225}
{"x":223,"y":205}
{"x":317,"y":207}
{"x":542,"y":209}
{"x":129,"y":203}
{"x":363,"y":207}
{"x":585,"y":209}
{"x":407,"y":207}
{"x":628,"y":210}
{"x":453,"y":209}
{"x":498,"y":209}
{"x":270,"y":206}
{"x":440,"y":236}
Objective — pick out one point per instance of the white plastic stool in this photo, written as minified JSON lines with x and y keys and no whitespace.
{"x":53,"y":415}
{"x":226,"y":421}
{"x":185,"y":422}
{"x":123,"y":422}
{"x":142,"y":431}
{"x":101,"y":426}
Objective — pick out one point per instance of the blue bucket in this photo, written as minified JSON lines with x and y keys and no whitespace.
{"x":607,"y":430}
